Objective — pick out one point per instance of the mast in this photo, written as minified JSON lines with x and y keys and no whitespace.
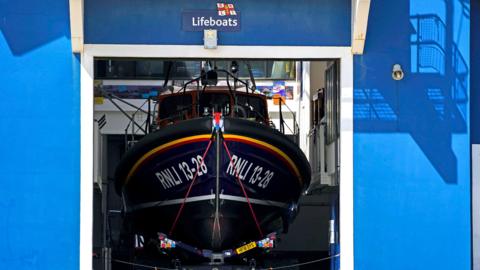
{"x":216,"y":233}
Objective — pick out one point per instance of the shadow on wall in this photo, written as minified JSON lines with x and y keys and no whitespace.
{"x":26,"y":26}
{"x":431,"y":102}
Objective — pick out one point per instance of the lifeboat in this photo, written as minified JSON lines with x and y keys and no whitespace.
{"x":214,"y":173}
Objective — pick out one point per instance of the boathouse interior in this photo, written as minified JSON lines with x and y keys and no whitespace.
{"x":306,"y":109}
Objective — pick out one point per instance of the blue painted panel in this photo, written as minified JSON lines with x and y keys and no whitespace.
{"x":199,"y":20}
{"x":475,"y":62}
{"x":264,"y":22}
{"x":411,"y":138}
{"x":39,"y":116}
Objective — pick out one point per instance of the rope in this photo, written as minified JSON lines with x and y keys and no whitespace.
{"x":243,"y":189}
{"x":269,"y":268}
{"x":190,"y":187}
{"x":304,"y":263}
{"x":142,"y":265}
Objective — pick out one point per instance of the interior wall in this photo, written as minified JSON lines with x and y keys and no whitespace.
{"x":317,"y":75}
{"x":309,"y":231}
{"x":412,"y":138}
{"x":40,"y":131}
{"x":303,"y":108}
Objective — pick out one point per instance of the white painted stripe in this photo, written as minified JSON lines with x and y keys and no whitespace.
{"x":195,"y":51}
{"x":255,"y":201}
{"x":170,"y":202}
{"x":206,"y":198}
{"x":86,"y":161}
{"x":476,"y":205}
{"x":346,"y":162}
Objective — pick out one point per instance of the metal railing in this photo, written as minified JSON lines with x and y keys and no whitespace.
{"x":134,"y":128}
{"x":295,"y":129}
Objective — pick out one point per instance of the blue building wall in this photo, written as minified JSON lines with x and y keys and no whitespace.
{"x":475,"y":122}
{"x":39,"y":128}
{"x":303,"y":22}
{"x":475,"y":71}
{"x":411,"y":138}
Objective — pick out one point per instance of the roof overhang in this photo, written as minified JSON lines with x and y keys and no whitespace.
{"x":76,"y":25}
{"x":360,"y":11}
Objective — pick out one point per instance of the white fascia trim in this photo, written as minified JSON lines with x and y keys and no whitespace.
{"x":346,"y":162}
{"x":361,"y":10}
{"x":86,"y":161}
{"x":476,"y":205}
{"x":76,"y":25}
{"x":244,"y":52}
{"x":195,"y":51}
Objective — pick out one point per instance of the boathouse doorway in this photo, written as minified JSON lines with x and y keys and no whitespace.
{"x":310,"y":114}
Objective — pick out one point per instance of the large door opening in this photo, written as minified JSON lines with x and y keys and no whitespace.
{"x":303,"y":103}
{"x":311,"y":95}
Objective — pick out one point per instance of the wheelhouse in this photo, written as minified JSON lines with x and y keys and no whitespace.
{"x":176,"y":107}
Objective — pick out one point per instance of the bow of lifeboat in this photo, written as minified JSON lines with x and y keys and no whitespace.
{"x":230,"y":189}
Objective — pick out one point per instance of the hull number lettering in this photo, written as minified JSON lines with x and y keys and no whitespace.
{"x":184,"y":171}
{"x":247,"y":171}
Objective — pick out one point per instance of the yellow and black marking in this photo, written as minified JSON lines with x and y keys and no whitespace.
{"x":246,"y":247}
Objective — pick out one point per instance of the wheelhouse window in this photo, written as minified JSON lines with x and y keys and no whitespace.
{"x":216,"y":101}
{"x":177,"y":107}
{"x":253,"y":107}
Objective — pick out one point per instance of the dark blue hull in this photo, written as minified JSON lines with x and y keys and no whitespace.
{"x":155,"y":175}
